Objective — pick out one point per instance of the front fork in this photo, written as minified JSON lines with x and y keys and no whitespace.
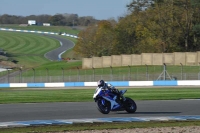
{"x":103,"y":101}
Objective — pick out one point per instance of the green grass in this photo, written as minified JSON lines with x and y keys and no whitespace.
{"x":22,"y":43}
{"x":59,"y":64}
{"x":55,"y":68}
{"x":19,"y":45}
{"x":27,"y":49}
{"x":124,"y":70}
{"x":85,"y":95}
{"x":98,"y":126}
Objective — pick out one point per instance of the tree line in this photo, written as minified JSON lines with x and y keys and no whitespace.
{"x":56,"y":20}
{"x":156,"y":26}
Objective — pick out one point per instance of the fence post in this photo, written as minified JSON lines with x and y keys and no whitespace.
{"x":199,"y":76}
{"x":111,"y":73}
{"x":199,"y":72}
{"x":33,"y":75}
{"x":78,"y":74}
{"x":93,"y":73}
{"x":70,"y":74}
{"x":62,"y":74}
{"x":85,"y":75}
{"x":137,"y":74}
{"x":147,"y":72}
{"x":8,"y":75}
{"x":181,"y":71}
{"x":164,"y":71}
{"x":129,"y":72}
{"x":199,"y":66}
{"x":102,"y":73}
{"x":47,"y":74}
{"x":20,"y":75}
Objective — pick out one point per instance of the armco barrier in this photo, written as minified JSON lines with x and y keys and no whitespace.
{"x":115,"y":83}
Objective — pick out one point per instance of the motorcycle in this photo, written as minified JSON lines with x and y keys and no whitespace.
{"x":107,"y":101}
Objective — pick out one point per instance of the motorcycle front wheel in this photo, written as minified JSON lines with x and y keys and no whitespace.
{"x":130,"y":105}
{"x":103,"y":106}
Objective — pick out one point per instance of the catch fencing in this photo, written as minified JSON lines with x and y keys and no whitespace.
{"x":130,"y":73}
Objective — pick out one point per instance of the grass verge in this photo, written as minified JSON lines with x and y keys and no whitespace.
{"x":27,"y":49}
{"x":99,"y":126}
{"x":15,"y":95}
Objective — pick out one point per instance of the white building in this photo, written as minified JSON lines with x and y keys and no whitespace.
{"x":31,"y":22}
{"x":46,"y":24}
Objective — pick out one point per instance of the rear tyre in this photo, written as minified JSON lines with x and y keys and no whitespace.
{"x":103,"y":106}
{"x":130,"y":105}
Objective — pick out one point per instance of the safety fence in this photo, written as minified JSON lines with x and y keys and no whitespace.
{"x":131,"y":73}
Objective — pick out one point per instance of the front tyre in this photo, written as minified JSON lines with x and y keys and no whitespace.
{"x":103,"y":106}
{"x":130,"y":105}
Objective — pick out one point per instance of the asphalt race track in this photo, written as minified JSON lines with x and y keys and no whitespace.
{"x":84,"y":110}
{"x":65,"y":45}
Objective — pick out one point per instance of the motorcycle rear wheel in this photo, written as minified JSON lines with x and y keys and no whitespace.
{"x":103,"y":106}
{"x":130,"y":105}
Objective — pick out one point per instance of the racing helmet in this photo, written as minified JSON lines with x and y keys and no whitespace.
{"x":101,"y":83}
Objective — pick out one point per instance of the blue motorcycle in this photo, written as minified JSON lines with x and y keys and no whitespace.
{"x":107,"y":101}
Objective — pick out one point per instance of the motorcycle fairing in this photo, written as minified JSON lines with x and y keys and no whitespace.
{"x":113,"y":104}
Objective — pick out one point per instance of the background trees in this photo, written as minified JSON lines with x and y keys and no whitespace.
{"x":96,"y":40}
{"x":156,"y":26}
{"x":56,"y":20}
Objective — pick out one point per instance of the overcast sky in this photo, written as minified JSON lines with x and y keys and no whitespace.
{"x":99,"y":9}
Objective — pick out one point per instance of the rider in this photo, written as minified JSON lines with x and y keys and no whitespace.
{"x":105,"y":85}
